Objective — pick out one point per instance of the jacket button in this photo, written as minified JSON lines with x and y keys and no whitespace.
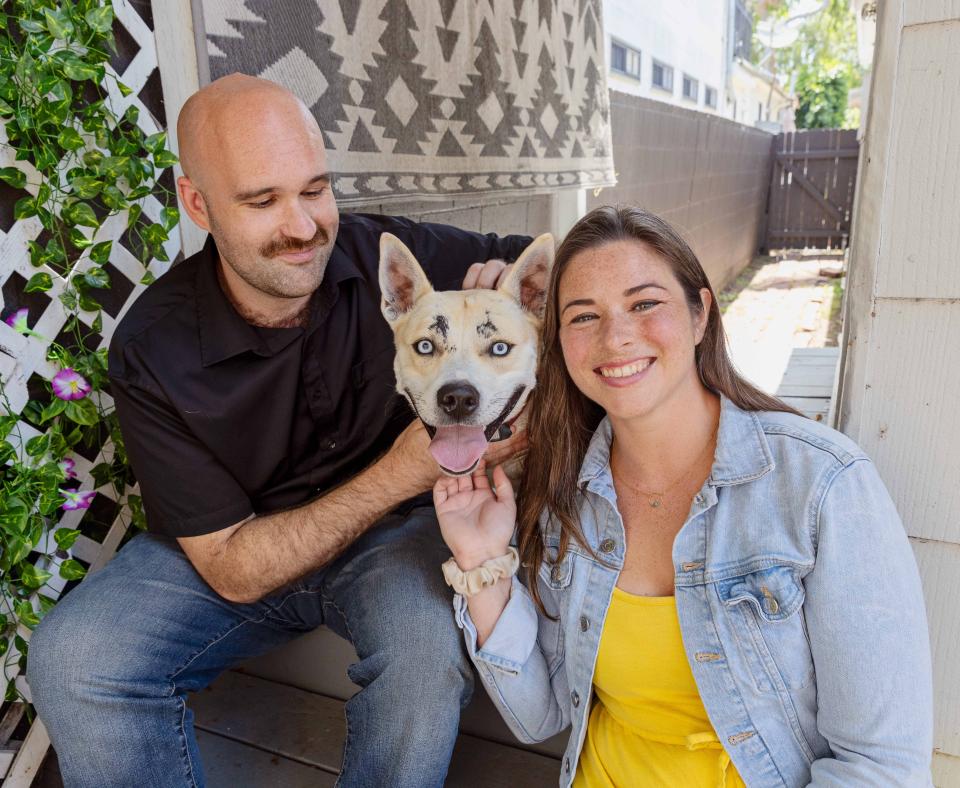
{"x":699,"y":498}
{"x":607,"y":545}
{"x":555,"y":574}
{"x":584,"y":623}
{"x":329,"y":444}
{"x":575,"y":697}
{"x":566,"y":765}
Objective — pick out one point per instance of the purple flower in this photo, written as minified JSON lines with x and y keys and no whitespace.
{"x":67,"y":467}
{"x":18,"y":321}
{"x":68,"y":384}
{"x":77,"y":499}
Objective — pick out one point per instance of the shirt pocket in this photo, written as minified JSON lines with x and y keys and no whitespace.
{"x":765,"y":608}
{"x":554,"y":580}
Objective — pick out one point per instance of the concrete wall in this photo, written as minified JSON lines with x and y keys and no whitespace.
{"x":706,"y":175}
{"x":902,"y":364}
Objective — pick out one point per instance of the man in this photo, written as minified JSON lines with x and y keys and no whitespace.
{"x":254,"y":386}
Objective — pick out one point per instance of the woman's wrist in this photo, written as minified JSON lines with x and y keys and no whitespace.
{"x":471,"y":560}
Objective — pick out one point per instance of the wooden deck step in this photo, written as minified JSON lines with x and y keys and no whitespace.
{"x":250,"y":728}
{"x":808,"y":381}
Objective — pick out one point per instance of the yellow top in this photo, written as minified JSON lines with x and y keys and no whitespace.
{"x":648,"y":726}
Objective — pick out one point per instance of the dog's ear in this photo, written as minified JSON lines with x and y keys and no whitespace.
{"x":402,"y":280}
{"x":527,"y":282}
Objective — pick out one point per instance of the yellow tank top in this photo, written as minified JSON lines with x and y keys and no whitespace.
{"x":648,"y":726}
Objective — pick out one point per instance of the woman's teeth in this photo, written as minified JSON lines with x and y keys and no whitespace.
{"x":626,"y":370}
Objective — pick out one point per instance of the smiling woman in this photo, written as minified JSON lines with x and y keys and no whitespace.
{"x":686,"y":538}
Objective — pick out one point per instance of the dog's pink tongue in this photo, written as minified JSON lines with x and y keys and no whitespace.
{"x":458,"y":448}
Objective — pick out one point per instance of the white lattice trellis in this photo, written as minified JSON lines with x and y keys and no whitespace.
{"x":23,"y":357}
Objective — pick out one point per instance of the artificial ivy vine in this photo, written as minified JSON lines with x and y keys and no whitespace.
{"x":57,"y":100}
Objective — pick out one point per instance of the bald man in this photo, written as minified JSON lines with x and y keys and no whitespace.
{"x":281,"y":475}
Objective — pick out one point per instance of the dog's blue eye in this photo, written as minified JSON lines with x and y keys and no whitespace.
{"x":424,"y":347}
{"x":499,"y":349}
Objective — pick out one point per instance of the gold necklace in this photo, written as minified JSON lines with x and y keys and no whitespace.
{"x":654,"y":498}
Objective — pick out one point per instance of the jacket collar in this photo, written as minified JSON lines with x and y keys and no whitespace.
{"x":225,"y":334}
{"x":742,"y":453}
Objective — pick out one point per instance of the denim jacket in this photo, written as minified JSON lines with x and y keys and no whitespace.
{"x":799,"y":604}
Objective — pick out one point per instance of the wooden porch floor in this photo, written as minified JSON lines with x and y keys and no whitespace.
{"x":808,"y":382}
{"x":253,"y":733}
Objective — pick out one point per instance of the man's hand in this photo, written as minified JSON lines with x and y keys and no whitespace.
{"x":410,"y":456}
{"x":486,"y":276}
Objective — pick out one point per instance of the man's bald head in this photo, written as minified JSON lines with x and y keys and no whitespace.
{"x":227,"y":112}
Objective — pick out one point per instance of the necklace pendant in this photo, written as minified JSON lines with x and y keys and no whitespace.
{"x":655,"y":503}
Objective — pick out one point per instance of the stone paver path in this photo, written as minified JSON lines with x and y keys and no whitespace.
{"x":776,"y":305}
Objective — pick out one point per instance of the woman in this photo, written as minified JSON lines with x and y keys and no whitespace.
{"x":717,"y":591}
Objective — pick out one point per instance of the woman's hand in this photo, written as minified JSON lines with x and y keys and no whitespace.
{"x":476,"y":521}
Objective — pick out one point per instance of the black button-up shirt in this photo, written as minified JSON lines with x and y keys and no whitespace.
{"x":222,"y":419}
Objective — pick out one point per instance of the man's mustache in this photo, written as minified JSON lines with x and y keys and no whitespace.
{"x":286,"y":245}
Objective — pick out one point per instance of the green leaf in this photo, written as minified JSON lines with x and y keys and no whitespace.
{"x":72,"y":570}
{"x":124,"y":90}
{"x":165,"y":159}
{"x":65,"y":537}
{"x":155,"y":234}
{"x":39,"y":283}
{"x":26,"y":614}
{"x":54,"y":408}
{"x":113,"y":198}
{"x":100,"y":19}
{"x":31,"y":577}
{"x":30,"y":26}
{"x":96,"y":277}
{"x":78,"y":240}
{"x":79,"y":71}
{"x":88,"y":302}
{"x":156,"y":142}
{"x":100,"y":253}
{"x":58,"y":23}
{"x":24,"y":208}
{"x":82,"y":411}
{"x":169,"y":218}
{"x":133,"y":215}
{"x":81,"y":214}
{"x":37,"y":445}
{"x":69,"y":299}
{"x":136,"y":511}
{"x":97,"y":324}
{"x":86,"y":186}
{"x":93,"y":158}
{"x":70,"y":139}
{"x":148,"y":278}
{"x":18,"y":548}
{"x":101,"y":473}
{"x":16,"y":178}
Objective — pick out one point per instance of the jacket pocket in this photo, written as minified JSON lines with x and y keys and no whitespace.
{"x":766,"y":614}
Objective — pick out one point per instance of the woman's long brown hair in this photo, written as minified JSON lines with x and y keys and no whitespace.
{"x":562,"y":420}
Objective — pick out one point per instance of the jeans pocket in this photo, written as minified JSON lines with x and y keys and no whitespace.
{"x":766,"y":614}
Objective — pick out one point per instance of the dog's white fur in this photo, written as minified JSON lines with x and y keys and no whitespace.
{"x":465,"y":332}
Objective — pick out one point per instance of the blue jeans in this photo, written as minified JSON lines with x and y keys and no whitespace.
{"x":111,"y":665}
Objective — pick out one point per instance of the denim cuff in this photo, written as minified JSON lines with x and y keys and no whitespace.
{"x":513,"y":636}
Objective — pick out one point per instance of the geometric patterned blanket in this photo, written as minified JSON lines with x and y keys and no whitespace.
{"x":422,"y":98}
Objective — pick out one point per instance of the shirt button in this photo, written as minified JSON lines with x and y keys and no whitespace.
{"x":607,"y":545}
{"x":699,"y":498}
{"x":575,"y":697}
{"x":329,"y":444}
{"x":584,"y":623}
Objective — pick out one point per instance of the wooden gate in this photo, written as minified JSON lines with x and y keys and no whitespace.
{"x":811,"y":189}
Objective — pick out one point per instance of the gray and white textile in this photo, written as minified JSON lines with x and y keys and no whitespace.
{"x":420,"y":98}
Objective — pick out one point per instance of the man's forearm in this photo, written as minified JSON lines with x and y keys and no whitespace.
{"x":268,"y":552}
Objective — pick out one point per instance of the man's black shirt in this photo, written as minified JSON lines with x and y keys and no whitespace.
{"x":222,"y":419}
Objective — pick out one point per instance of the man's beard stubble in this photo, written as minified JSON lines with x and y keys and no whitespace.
{"x":279,"y":279}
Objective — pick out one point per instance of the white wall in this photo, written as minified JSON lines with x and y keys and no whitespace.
{"x":901,"y":374}
{"x":691,"y":36}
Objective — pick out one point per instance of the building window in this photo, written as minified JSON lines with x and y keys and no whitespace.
{"x":691,"y":88}
{"x":662,"y":76}
{"x":624,"y":59}
{"x":710,"y":96}
{"x":759,"y":111}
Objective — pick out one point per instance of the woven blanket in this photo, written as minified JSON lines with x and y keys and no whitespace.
{"x":421,"y":98}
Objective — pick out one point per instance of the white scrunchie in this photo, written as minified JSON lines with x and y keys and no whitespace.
{"x":484,"y":576}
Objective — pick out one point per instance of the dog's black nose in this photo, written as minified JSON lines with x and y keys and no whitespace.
{"x":458,"y":399}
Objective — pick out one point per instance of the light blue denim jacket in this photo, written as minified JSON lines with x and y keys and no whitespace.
{"x":799,"y":604}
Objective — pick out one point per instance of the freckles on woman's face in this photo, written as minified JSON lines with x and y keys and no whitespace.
{"x":627,"y":332}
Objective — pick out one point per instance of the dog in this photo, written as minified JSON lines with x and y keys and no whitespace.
{"x":465,"y":359}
